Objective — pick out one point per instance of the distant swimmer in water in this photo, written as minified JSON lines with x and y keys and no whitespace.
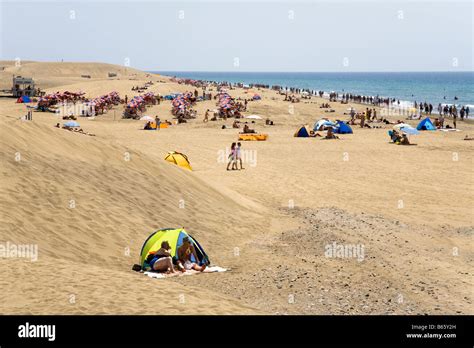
{"x":455,"y":98}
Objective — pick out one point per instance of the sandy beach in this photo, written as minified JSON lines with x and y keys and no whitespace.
{"x":89,"y":203}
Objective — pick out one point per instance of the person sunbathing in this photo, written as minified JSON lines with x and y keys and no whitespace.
{"x":162,"y":261}
{"x":330,"y":134}
{"x":404,"y":140}
{"x":185,"y":252}
{"x":235,"y":124}
{"x":247,"y":129}
{"x":313,"y":134}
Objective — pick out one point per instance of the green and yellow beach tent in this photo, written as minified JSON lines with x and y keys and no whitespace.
{"x":174,"y":236}
{"x":179,"y":159}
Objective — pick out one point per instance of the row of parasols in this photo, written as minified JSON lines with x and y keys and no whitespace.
{"x":112,"y":98}
{"x":55,"y":98}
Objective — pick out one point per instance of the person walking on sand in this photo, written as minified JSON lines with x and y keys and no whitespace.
{"x":238,"y":156}
{"x":232,"y":160}
{"x":206,"y":116}
{"x":157,"y":122}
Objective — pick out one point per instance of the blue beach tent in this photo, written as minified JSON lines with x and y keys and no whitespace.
{"x":342,"y":128}
{"x":426,"y":125}
{"x":302,"y":133}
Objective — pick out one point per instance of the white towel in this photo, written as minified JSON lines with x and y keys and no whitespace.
{"x":212,"y":269}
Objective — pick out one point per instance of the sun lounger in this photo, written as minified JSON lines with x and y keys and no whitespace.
{"x":253,"y":137}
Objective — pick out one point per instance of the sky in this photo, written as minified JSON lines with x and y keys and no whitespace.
{"x":210,"y":35}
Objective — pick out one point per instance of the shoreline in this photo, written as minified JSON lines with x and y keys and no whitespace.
{"x":404,"y":102}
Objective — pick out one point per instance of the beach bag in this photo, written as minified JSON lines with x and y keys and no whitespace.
{"x":136,"y":268}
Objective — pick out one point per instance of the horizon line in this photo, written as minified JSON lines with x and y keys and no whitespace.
{"x":334,"y":71}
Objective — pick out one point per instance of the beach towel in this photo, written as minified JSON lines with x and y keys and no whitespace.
{"x":212,"y":269}
{"x":449,"y":130}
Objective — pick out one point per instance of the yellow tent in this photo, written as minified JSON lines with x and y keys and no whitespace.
{"x":179,"y":159}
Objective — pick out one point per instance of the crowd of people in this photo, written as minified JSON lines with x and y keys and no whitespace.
{"x":141,"y":89}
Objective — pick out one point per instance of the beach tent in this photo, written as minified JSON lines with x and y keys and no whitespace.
{"x":323,"y":123}
{"x":179,"y":159}
{"x":24,"y":99}
{"x":342,"y":128}
{"x":426,"y":125}
{"x":72,"y":124}
{"x":174,"y":236}
{"x":302,"y":133}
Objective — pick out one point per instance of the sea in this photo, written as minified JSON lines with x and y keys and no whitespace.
{"x":408,"y":87}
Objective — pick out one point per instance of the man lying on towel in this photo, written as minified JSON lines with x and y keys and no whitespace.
{"x":184,"y":256}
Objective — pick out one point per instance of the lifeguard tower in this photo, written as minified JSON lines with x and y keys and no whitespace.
{"x":23,"y":86}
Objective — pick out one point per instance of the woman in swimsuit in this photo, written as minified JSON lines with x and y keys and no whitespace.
{"x":185,"y":252}
{"x":163,"y":262}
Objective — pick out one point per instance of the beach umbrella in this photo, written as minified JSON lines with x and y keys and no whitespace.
{"x":409,"y":130}
{"x":323,"y":123}
{"x":401,"y":125}
{"x":406,"y":128}
{"x":71,"y":124}
{"x":147,"y":118}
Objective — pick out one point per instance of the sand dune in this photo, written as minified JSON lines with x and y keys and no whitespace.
{"x":89,"y":209}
